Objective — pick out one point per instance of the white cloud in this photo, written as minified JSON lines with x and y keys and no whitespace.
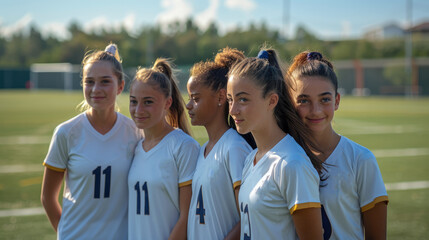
{"x":56,"y":29}
{"x":346,"y":29}
{"x":204,"y":18}
{"x":97,"y":24}
{"x":174,"y":10}
{"x":129,"y":23}
{"x":20,"y":25}
{"x":244,"y":5}
{"x":102,"y":22}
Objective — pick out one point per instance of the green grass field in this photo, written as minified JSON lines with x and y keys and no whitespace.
{"x":395,"y":129}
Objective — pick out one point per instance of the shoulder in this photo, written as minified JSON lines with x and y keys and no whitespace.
{"x":67,"y":127}
{"x":129,"y":125}
{"x":233,"y":141}
{"x":126,"y":120}
{"x":359,"y":153}
{"x":289,"y":150}
{"x":291,"y":156}
{"x":179,"y":138}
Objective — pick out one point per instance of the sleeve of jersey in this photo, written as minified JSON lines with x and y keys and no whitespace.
{"x":57,"y":156}
{"x":187,"y":160}
{"x":298,"y":182}
{"x":237,"y":154}
{"x":370,"y":184}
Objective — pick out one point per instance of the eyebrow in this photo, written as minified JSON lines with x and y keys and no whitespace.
{"x":90,"y":77}
{"x":322,"y":94}
{"x":145,"y":98}
{"x":325,"y":93}
{"x":241,"y":93}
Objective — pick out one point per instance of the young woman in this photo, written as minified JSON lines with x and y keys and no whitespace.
{"x":354,"y":197}
{"x":213,"y":213}
{"x":159,"y":181}
{"x":279,"y":195}
{"x":94,"y":151}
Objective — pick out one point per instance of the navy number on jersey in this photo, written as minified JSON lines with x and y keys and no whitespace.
{"x":146,"y":198}
{"x":200,"y":206}
{"x":327,"y":228}
{"x":107,"y":172}
{"x":245,"y":211}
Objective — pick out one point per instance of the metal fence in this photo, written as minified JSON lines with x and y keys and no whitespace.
{"x":356,"y":77}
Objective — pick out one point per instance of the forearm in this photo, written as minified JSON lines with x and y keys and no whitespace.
{"x":234,"y":233}
{"x":180,"y":229}
{"x":53,"y":211}
{"x":51,"y":187}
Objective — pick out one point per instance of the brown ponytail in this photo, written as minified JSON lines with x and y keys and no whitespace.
{"x":265,"y":71}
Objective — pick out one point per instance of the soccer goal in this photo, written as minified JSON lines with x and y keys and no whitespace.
{"x":55,"y":76}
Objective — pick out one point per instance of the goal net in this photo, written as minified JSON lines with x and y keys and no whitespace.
{"x":55,"y":76}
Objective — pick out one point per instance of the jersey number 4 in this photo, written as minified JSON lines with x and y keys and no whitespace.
{"x":97,"y":185}
{"x":200,"y":206}
{"x":245,"y":211}
{"x":146,"y":198}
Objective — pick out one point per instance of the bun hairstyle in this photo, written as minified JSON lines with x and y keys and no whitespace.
{"x":214,"y":75}
{"x":307,"y":64}
{"x":265,"y":71}
{"x":161,"y":76}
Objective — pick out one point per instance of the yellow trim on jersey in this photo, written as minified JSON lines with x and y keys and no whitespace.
{"x":372,"y":204}
{"x":236,"y":184}
{"x":185,"y":183}
{"x":304,"y":206}
{"x":54,"y":168}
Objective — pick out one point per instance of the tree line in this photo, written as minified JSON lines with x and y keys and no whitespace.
{"x":186,"y":44}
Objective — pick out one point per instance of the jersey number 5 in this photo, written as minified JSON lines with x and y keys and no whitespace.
{"x":97,"y":185}
{"x":146,"y":198}
{"x":200,"y":206}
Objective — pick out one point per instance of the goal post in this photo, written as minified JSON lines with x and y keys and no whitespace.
{"x":55,"y":76}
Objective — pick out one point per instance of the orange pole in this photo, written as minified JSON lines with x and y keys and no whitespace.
{"x":359,"y":81}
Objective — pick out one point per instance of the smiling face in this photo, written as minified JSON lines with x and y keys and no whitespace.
{"x":203,"y":105}
{"x":316,"y":102}
{"x":100,"y":85}
{"x":148,"y":105}
{"x":247,"y":107}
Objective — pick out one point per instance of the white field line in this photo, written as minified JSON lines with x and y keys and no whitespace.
{"x":21,"y":168}
{"x":407,"y":185}
{"x":389,"y":187}
{"x":22,"y":212}
{"x":356,"y":127}
{"x":404,"y":152}
{"x":18,"y":140}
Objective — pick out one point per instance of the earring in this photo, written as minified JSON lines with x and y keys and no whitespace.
{"x":219,"y":104}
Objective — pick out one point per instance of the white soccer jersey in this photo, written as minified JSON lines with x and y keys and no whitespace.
{"x":96,"y":167}
{"x":354,"y":185}
{"x":213,"y":210}
{"x":153,"y":185}
{"x":283,"y":181}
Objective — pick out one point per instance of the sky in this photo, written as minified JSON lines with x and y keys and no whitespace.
{"x":327,"y":19}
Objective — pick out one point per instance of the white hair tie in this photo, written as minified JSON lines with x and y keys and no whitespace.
{"x":113,"y":49}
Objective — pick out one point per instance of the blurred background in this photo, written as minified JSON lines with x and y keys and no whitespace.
{"x":380,"y":51}
{"x":378,"y":47}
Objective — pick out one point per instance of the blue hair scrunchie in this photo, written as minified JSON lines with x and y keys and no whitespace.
{"x":314,"y":56}
{"x":263,"y":54}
